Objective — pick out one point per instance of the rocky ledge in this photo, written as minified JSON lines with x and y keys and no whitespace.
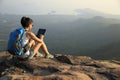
{"x":62,"y":67}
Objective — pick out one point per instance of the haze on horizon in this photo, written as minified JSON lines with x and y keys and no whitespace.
{"x":67,"y":7}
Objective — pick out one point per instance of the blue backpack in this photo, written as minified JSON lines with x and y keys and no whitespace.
{"x":15,"y":42}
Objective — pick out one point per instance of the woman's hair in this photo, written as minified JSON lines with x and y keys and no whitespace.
{"x":26,"y":21}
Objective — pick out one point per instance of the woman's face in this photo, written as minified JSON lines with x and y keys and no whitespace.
{"x":30,"y":26}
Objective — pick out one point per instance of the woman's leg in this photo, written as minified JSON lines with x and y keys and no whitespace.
{"x":33,"y":46}
{"x":32,"y":43}
{"x":45,"y":49}
{"x":42,"y":46}
{"x":37,"y":47}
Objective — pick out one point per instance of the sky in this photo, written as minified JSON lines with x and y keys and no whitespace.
{"x":67,"y":7}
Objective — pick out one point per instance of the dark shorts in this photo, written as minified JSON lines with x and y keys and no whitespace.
{"x":26,"y":56}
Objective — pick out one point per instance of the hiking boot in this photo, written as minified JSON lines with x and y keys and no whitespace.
{"x":31,"y":55}
{"x":39,"y":54}
{"x":49,"y":56}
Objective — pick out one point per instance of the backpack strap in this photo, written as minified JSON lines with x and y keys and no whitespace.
{"x":22,"y":31}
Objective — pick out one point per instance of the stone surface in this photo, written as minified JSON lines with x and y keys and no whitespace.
{"x":62,"y":67}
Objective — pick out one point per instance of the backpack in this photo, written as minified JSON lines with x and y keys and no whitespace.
{"x":15,"y":42}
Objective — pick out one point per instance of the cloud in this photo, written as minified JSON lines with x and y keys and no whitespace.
{"x":58,"y":6}
{"x":52,"y":12}
{"x":1,"y":1}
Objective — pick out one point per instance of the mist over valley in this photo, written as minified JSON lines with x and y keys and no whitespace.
{"x":71,"y":34}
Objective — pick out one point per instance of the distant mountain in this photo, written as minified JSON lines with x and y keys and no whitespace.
{"x":89,"y":13}
{"x":110,"y":51}
{"x":68,"y":34}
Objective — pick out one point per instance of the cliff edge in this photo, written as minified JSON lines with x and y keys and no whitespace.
{"x":62,"y":67}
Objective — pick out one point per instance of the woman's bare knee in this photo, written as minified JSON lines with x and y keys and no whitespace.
{"x":32,"y":43}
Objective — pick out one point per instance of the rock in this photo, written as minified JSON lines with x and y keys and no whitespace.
{"x":63,"y":67}
{"x":6,"y":78}
{"x":4,"y":55}
{"x":75,"y":60}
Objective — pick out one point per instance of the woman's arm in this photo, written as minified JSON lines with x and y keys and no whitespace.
{"x":33,"y":36}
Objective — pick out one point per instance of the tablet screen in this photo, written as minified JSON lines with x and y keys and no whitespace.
{"x":41,"y":31}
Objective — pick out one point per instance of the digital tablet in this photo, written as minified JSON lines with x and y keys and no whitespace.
{"x":41,"y":31}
